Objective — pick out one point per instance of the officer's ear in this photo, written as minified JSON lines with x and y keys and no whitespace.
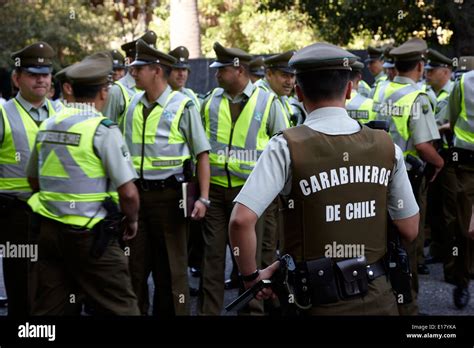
{"x":349,"y":89}
{"x":299,"y":93}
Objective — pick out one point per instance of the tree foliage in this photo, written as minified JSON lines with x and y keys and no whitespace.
{"x":73,"y":28}
{"x":439,"y":22}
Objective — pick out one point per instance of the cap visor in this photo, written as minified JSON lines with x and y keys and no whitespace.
{"x":217,"y":64}
{"x":287,"y":70}
{"x":388,"y":65}
{"x":39,"y":69}
{"x":140,"y":63}
{"x":258,"y":73}
{"x":181,"y":66}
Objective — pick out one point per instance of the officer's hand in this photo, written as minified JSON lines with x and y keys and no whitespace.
{"x":266,"y":273}
{"x":199,"y":211}
{"x":131,"y":228}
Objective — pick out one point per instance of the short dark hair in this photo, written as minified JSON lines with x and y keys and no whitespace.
{"x":323,"y":84}
{"x":355,"y":74}
{"x":166,"y":70}
{"x":86,"y":91}
{"x":406,"y":66}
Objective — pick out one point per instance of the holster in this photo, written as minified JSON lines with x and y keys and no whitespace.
{"x":106,"y":229}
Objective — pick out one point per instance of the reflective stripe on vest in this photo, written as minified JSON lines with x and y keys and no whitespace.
{"x":19,"y":138}
{"x":236,"y":147}
{"x":127,"y":93}
{"x":396,"y":107}
{"x":464,"y":128}
{"x":72,"y":178}
{"x":156,"y":145}
{"x":360,"y":107}
{"x":190,"y":93}
{"x":284,"y":100}
{"x":378,"y":96}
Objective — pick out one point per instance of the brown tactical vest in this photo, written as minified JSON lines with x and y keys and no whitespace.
{"x":348,"y":174}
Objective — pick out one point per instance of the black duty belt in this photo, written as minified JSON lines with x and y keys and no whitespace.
{"x":376,"y":269}
{"x":156,"y":185}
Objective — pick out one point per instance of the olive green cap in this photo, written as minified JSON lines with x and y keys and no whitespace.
{"x":118,"y":60}
{"x":35,"y":58}
{"x":388,"y":60}
{"x":146,"y":54}
{"x":357,"y":65}
{"x":229,"y":56}
{"x":411,"y":50}
{"x":95,"y":69}
{"x":280,"y":62}
{"x":437,"y":60}
{"x":374,"y":53}
{"x":129,"y":48}
{"x":322,"y":56}
{"x":256,"y":67}
{"x":60,"y":76}
{"x":181,"y":54}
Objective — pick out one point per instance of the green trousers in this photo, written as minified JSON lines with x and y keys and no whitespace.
{"x":161,"y":248}
{"x":66,"y":271}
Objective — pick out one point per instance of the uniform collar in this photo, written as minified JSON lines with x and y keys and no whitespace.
{"x":332,"y":120}
{"x":161,"y":100}
{"x":448,"y":87}
{"x":404,"y":80}
{"x":379,"y":76}
{"x":87,"y":108}
{"x":128,"y":80}
{"x":248,"y":90}
{"x":28,"y":106}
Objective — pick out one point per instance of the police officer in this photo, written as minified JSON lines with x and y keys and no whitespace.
{"x":389,"y":64}
{"x":118,"y":63}
{"x":65,"y":97}
{"x":239,"y":119}
{"x":461,"y":116}
{"x":375,"y":64}
{"x":438,"y":71}
{"x":257,"y":69}
{"x":358,"y":106}
{"x":164,"y":132}
{"x":20,"y":118}
{"x":280,"y":80}
{"x":124,"y":89}
{"x":413,"y":128}
{"x":79,"y":162}
{"x":180,"y":73}
{"x":308,"y":164}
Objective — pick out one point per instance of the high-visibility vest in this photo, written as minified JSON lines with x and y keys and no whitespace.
{"x":464,"y":127}
{"x":73,"y":183}
{"x":360,"y":107}
{"x":284,"y":101}
{"x":364,"y":88}
{"x":190,"y":93}
{"x":235,"y":147}
{"x":127,"y":93}
{"x":157,"y":147}
{"x":19,"y":137}
{"x":396,"y":107}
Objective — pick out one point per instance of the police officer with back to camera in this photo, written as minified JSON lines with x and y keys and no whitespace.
{"x":342,"y":178}
{"x":80,"y":170}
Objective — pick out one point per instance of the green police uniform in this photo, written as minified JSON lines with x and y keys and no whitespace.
{"x":238,"y":129}
{"x":409,"y":111}
{"x":461,"y":116}
{"x":124,"y":89}
{"x":162,"y":136}
{"x":281,"y":168}
{"x":79,"y":159}
{"x":439,"y":191}
{"x":19,"y":123}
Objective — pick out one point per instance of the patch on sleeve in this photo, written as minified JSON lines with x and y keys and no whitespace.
{"x":108,"y":123}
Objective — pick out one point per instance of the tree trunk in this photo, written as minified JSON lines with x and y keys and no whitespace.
{"x":184,"y":26}
{"x":461,"y":14}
